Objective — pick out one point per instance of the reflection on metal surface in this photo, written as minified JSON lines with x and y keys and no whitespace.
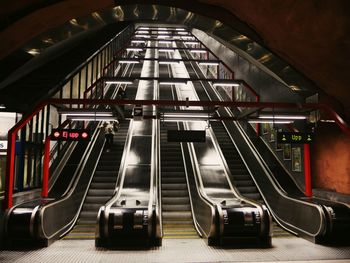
{"x":155,"y":12}
{"x":48,"y":41}
{"x":33,"y":51}
{"x":265,"y":58}
{"x":295,"y":87}
{"x":118,"y":13}
{"x":136,"y":11}
{"x":98,"y":18}
{"x":164,"y":14}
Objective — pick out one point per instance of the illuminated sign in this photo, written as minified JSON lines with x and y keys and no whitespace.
{"x":295,"y":137}
{"x":186,"y":136}
{"x":70,"y":135}
{"x":3,"y":145}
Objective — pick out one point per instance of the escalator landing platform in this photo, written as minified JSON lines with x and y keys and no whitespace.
{"x":182,"y":250}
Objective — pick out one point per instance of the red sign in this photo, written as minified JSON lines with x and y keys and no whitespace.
{"x":70,"y":135}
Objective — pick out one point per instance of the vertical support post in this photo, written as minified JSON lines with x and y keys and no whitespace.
{"x":233,"y":90}
{"x":258,"y":125}
{"x":46,"y":168}
{"x":307,"y":170}
{"x":217,"y":71}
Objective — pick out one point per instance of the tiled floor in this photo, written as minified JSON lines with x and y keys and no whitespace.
{"x":181,"y":250}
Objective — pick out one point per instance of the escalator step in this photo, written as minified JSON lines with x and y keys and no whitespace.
{"x":106,"y":173}
{"x":174,"y":186}
{"x":88,"y":215}
{"x":104,"y":179}
{"x":87,"y":221}
{"x":176,"y":193}
{"x":244,"y":183}
{"x":247,"y":189}
{"x":177,"y":207}
{"x":241,"y":176}
{"x":80,"y":236}
{"x":176,"y":180}
{"x":97,"y":199}
{"x":172,"y":169}
{"x":102,"y":185}
{"x":111,"y":168}
{"x":91,"y":207}
{"x":175,"y":200}
{"x":253,"y":196}
{"x":178,"y":215}
{"x":100,"y":192}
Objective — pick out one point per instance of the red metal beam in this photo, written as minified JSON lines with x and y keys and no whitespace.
{"x":12,"y":133}
{"x":283,"y":105}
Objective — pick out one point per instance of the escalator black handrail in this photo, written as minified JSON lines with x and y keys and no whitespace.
{"x":199,"y":186}
{"x":152,"y":204}
{"x":268,"y":173}
{"x":320,"y":210}
{"x":227,"y":171}
{"x":212,"y":231}
{"x":236,"y":192}
{"x":42,"y":231}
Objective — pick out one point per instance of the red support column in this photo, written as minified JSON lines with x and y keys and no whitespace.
{"x":46,"y":169}
{"x":10,"y":170}
{"x":307,"y":171}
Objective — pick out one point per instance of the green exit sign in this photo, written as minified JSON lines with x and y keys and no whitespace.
{"x":295,"y":137}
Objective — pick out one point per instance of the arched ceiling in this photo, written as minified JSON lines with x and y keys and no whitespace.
{"x":312,"y":36}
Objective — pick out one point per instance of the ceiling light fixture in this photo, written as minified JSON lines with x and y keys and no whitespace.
{"x":202,"y":51}
{"x":226,"y":84}
{"x":129,"y":61}
{"x":119,"y":82}
{"x":168,"y":62}
{"x":142,"y":32}
{"x":91,"y":118}
{"x":134,"y":49}
{"x":138,"y":41}
{"x":209,"y":63}
{"x":287,"y":117}
{"x":142,"y":36}
{"x":166,"y":50}
{"x":271,"y":121}
{"x":173,"y":82}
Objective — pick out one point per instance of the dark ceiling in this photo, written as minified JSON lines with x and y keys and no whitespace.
{"x":313,"y":36}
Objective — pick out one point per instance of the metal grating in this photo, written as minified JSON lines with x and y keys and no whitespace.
{"x":181,"y":250}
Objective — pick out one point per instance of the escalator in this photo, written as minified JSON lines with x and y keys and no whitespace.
{"x":176,"y":207}
{"x":101,"y":188}
{"x":322,"y":222}
{"x":240,"y":174}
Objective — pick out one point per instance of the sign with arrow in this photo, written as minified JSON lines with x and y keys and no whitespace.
{"x":295,"y":137}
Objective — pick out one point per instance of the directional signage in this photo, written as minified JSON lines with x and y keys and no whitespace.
{"x":186,"y":136}
{"x":295,"y":137}
{"x":3,"y":145}
{"x":138,"y":113}
{"x":70,"y":135}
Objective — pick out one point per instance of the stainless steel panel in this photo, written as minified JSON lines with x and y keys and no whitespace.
{"x":140,"y":150}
